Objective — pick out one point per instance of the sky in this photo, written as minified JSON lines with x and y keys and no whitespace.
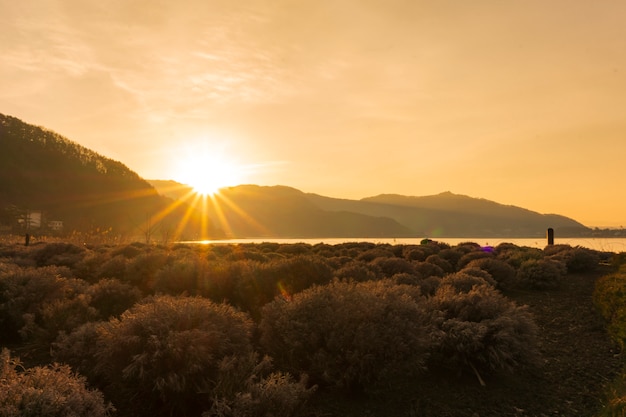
{"x":517,"y":101}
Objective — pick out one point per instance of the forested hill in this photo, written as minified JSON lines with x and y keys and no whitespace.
{"x":453,"y":215}
{"x":41,"y":171}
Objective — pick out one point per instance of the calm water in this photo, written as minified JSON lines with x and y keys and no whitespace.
{"x":601,"y":244}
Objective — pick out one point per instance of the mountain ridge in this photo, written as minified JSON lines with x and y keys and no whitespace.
{"x":485,"y":218}
{"x":69,"y":183}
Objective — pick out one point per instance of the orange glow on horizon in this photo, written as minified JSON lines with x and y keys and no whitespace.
{"x":207,"y":168}
{"x":207,"y":210}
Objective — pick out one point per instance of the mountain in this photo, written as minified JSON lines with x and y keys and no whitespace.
{"x":278,"y":211}
{"x":251,"y":210}
{"x":454,"y":215}
{"x":44,"y":173}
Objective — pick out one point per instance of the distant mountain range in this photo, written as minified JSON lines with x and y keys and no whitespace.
{"x":66,"y":183}
{"x":279,"y":211}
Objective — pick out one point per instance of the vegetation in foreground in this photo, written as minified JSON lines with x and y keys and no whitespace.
{"x":269,"y":329}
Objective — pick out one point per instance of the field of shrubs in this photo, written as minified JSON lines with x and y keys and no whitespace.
{"x":270,"y":329}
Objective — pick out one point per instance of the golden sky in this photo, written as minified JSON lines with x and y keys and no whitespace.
{"x":518,"y":101}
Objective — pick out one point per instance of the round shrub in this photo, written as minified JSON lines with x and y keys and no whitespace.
{"x":247,"y":255}
{"x":294,"y":249}
{"x":442,"y":263}
{"x":377,"y":252}
{"x":392,"y":266}
{"x":247,"y":389}
{"x":471,"y":256}
{"x":413,"y":253}
{"x":609,"y":297}
{"x":483,"y":332}
{"x":337,"y":262}
{"x":78,"y":349}
{"x":60,"y":315}
{"x":349,"y":335}
{"x":580,"y":259}
{"x":114,"y":267}
{"x":551,"y":250}
{"x":500,"y":271}
{"x":428,"y":269}
{"x":406,"y":279}
{"x":59,"y":254}
{"x":539,"y":274}
{"x":165,"y":350}
{"x":141,"y":270}
{"x":129,"y":251}
{"x":258,"y":284}
{"x":464,"y":282}
{"x":452,"y":255}
{"x":516,"y":258}
{"x":355,"y":271}
{"x":35,"y":303}
{"x":299,"y":272}
{"x":46,"y":391}
{"x":179,"y":275}
{"x":481,"y":273}
{"x":111,"y":297}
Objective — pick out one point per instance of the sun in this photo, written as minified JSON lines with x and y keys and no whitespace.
{"x":208,"y":171}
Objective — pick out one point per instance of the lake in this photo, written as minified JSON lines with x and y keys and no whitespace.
{"x":600,"y":244}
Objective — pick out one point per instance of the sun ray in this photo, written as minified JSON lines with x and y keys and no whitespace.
{"x":221,"y":198}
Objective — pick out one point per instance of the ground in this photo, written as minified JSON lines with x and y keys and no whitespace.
{"x":579,"y":361}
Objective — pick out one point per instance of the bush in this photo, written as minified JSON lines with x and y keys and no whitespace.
{"x":516,"y":258}
{"x":413,"y":253}
{"x":349,"y":335}
{"x":247,"y":389}
{"x":299,"y":272}
{"x":483,"y":331}
{"x":542,"y":274}
{"x":464,"y":282}
{"x":355,"y":271}
{"x":428,"y":269}
{"x":141,"y":270}
{"x":480,"y":273}
{"x":111,"y":297}
{"x":114,"y":267}
{"x":49,"y":391}
{"x":294,"y":249}
{"x":166,"y":350}
{"x":442,"y":263}
{"x":609,"y":297}
{"x":59,"y":254}
{"x":377,"y":252}
{"x":617,"y":260}
{"x":180,"y":275}
{"x":60,"y":315}
{"x":501,"y":272}
{"x":129,"y":251}
{"x":452,"y":255}
{"x":581,"y":259}
{"x":78,"y":349}
{"x":35,"y":303}
{"x":258,"y":284}
{"x":392,"y":266}
{"x":473,"y":255}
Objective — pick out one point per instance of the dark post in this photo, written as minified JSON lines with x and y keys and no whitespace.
{"x":27,"y":239}
{"x":550,"y":236}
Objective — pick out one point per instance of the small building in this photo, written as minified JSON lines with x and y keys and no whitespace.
{"x":55,"y":225}
{"x":30,"y":220}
